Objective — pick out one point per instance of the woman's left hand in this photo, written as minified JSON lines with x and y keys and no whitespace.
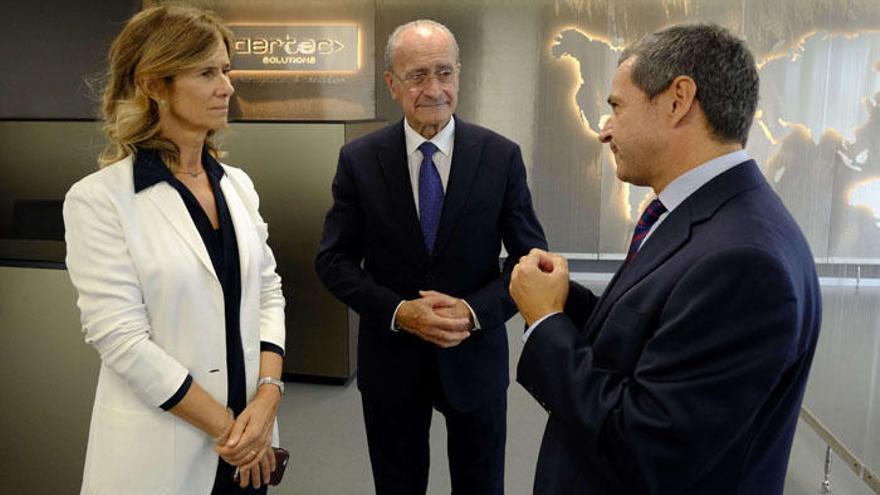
{"x":260,"y":473}
{"x":251,"y":435}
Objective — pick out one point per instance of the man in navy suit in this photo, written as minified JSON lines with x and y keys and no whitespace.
{"x":412,"y":243}
{"x":687,"y":375}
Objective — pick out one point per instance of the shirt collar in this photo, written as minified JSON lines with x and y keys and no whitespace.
{"x":149,"y":169}
{"x":443,"y":140}
{"x":686,"y":184}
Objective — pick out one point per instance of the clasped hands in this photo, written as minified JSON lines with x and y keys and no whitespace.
{"x":539,"y":284}
{"x":435,"y":317}
{"x":247,"y":440}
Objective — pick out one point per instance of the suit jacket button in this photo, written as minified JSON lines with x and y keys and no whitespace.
{"x":430,"y":279}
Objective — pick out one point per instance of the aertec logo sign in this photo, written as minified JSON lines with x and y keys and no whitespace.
{"x":312,"y":48}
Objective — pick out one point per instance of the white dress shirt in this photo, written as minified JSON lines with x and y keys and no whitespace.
{"x":676,"y":192}
{"x":445,"y":142}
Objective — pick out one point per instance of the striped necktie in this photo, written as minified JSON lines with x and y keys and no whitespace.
{"x":648,"y":218}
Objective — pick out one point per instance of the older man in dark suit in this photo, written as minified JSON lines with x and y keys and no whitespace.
{"x":412,"y":243}
{"x":687,"y":375}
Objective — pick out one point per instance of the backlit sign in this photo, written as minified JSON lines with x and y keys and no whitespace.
{"x":296,"y":48}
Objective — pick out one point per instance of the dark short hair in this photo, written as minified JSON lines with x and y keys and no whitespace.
{"x":719,"y":63}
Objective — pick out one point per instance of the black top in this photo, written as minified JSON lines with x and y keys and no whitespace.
{"x":222,"y":247}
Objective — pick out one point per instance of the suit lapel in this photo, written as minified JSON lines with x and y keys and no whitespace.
{"x":393,"y":162}
{"x":241,"y":222}
{"x":465,"y":162}
{"x":669,"y":237}
{"x":168,"y":201}
{"x":673,"y":234}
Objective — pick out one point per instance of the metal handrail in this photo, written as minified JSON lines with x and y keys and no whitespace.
{"x":857,"y":466}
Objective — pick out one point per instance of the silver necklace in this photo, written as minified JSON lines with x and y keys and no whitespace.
{"x":192,"y":174}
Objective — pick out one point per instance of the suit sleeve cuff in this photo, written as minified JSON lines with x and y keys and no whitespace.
{"x":178,"y":396}
{"x":536,"y":323}
{"x":473,"y":315}
{"x":270,"y":347}
{"x":394,"y":327}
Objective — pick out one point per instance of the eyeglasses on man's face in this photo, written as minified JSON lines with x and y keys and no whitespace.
{"x":417,"y":78}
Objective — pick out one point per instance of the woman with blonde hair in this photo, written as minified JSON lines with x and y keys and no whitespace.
{"x":176,"y":285}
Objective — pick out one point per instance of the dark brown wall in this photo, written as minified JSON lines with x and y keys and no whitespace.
{"x":48,"y":48}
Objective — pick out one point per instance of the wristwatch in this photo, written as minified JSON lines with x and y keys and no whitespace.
{"x":271,"y":381}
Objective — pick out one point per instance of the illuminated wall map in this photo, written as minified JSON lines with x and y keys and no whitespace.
{"x":816,"y":135}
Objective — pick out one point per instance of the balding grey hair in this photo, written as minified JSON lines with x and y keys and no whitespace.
{"x":394,"y":39}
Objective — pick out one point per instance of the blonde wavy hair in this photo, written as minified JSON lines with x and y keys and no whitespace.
{"x":156,"y":44}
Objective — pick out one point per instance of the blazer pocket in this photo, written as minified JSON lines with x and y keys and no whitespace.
{"x":131,"y":452}
{"x":619,"y":343}
{"x":480,"y":208}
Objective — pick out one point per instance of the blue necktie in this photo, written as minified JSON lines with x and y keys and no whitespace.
{"x":648,"y":218}
{"x":430,"y":195}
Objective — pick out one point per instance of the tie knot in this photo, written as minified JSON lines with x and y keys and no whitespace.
{"x":646,"y":221}
{"x":428,"y":149}
{"x":654,"y":210}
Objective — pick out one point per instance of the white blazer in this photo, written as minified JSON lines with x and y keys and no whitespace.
{"x":152,"y":306}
